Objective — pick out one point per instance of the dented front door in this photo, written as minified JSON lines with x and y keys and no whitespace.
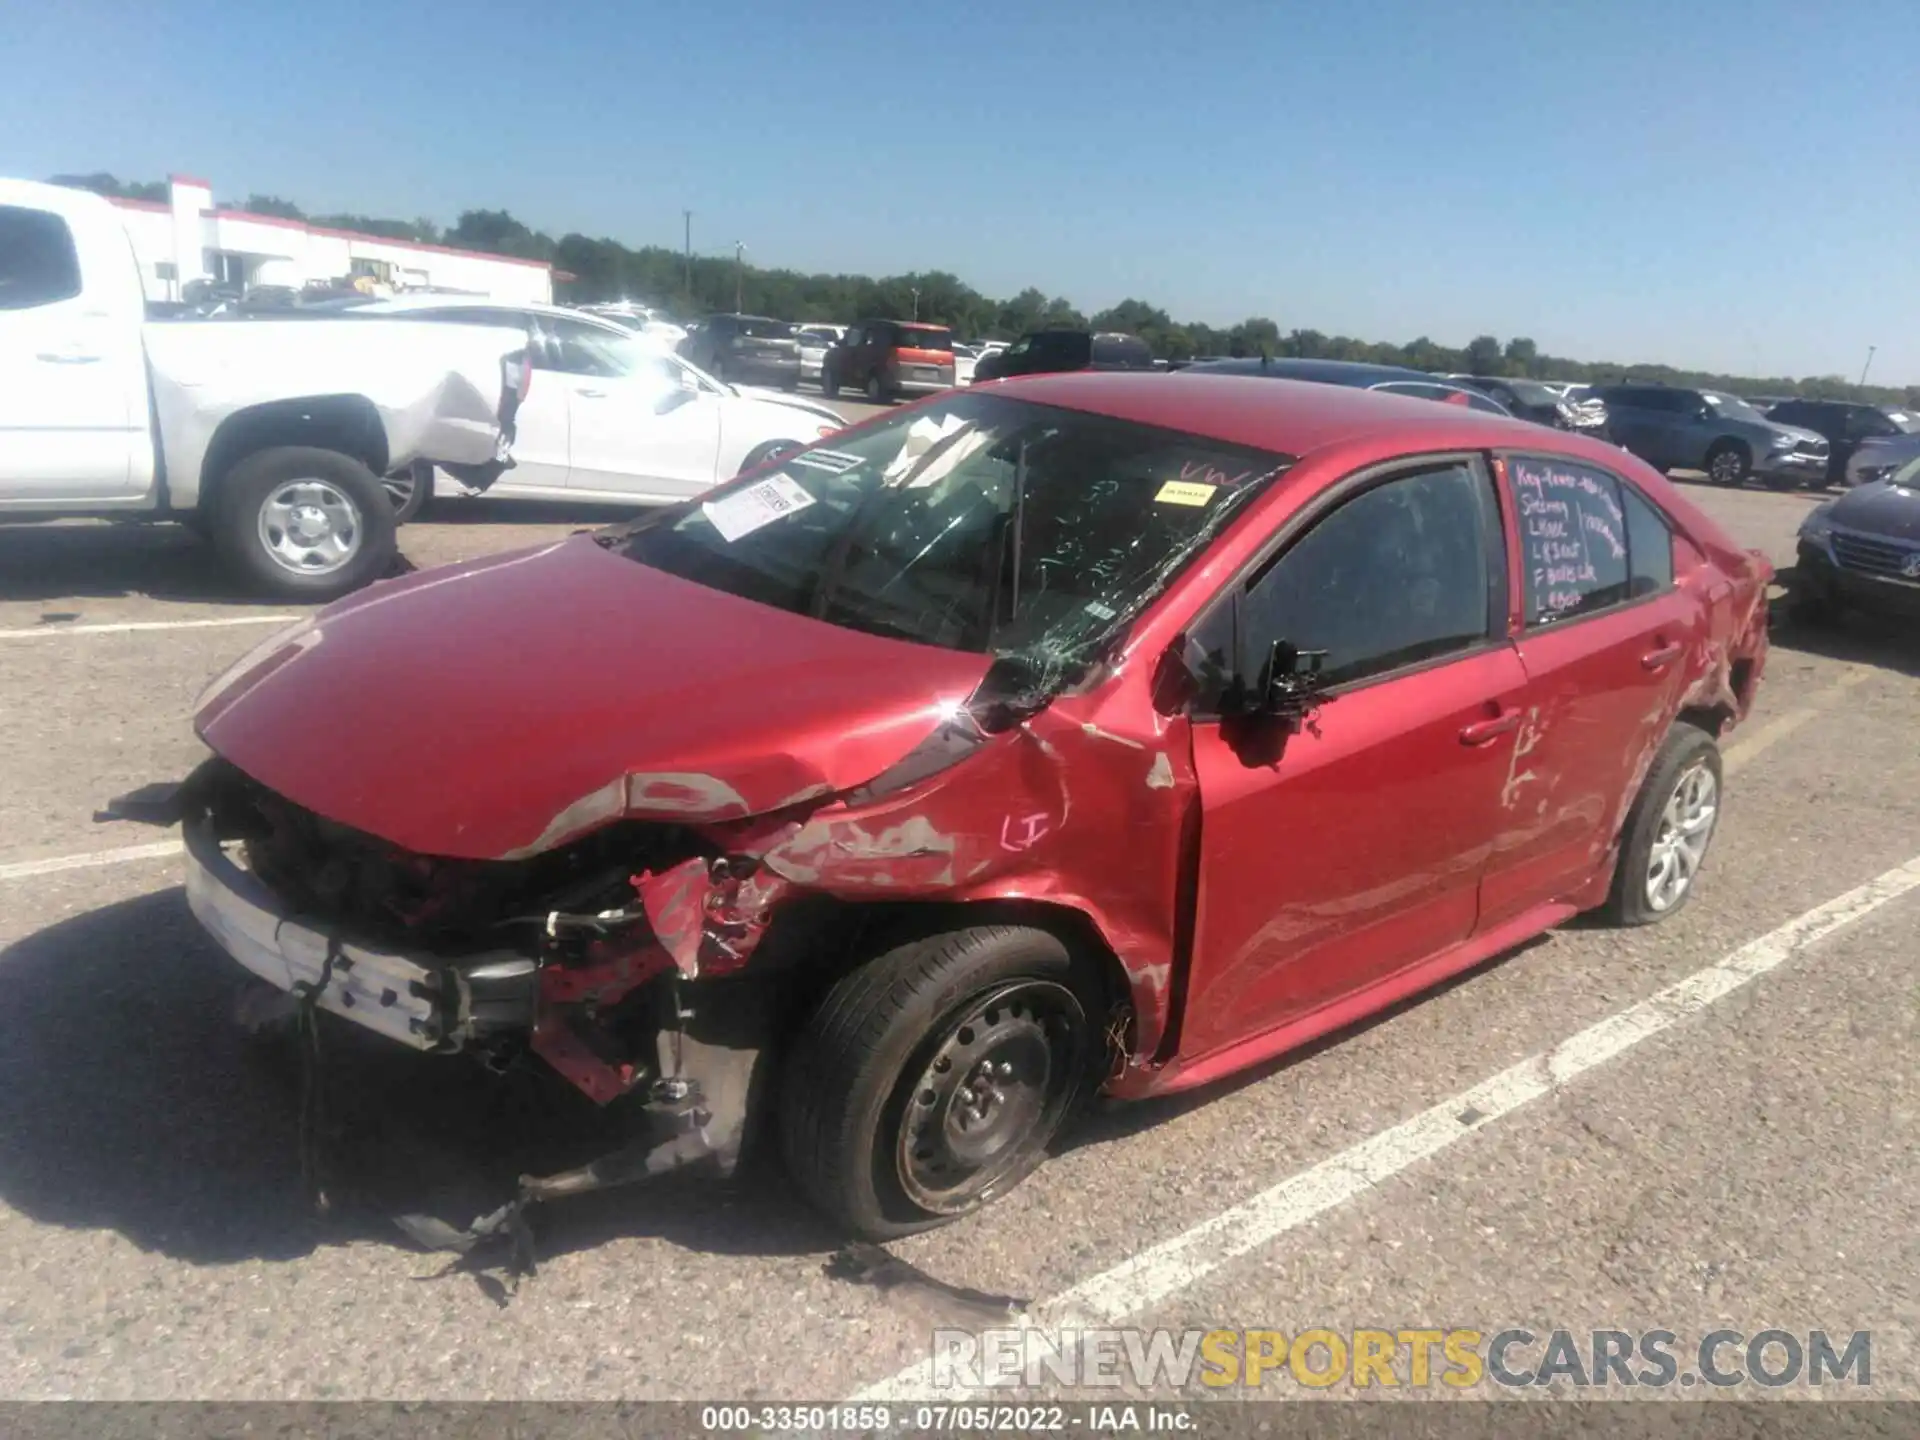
{"x":1356,"y":853}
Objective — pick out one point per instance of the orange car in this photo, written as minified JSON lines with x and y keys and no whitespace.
{"x":889,"y":359}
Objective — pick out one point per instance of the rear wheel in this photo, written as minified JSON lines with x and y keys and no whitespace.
{"x":829,"y":384}
{"x":876,"y":392}
{"x":931,"y":1080}
{"x":1668,"y":830}
{"x":304,"y":523}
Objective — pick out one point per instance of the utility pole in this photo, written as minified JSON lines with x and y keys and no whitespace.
{"x":739,"y":272}
{"x":688,"y":216}
{"x":916,"y":301}
{"x":1869,"y":365}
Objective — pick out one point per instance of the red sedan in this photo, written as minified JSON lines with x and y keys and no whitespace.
{"x":1091,"y":731}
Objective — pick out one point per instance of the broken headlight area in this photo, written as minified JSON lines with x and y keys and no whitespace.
{"x":551,"y":952}
{"x":610,"y":959}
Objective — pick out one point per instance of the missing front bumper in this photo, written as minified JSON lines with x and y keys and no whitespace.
{"x":422,"y":1001}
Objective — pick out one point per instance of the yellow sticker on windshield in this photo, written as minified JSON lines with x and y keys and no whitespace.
{"x":1184,"y":492}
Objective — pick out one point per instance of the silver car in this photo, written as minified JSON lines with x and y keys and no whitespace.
{"x":814,"y":341}
{"x":1674,"y":428}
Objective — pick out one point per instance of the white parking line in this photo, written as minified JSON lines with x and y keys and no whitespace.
{"x":35,"y":632}
{"x":26,"y":869}
{"x":1174,"y":1265}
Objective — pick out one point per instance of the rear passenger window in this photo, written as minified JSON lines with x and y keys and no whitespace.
{"x":38,"y":265}
{"x":1587,"y":541}
{"x":1649,"y":545}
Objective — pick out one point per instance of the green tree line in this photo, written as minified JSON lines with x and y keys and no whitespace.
{"x":590,"y":270}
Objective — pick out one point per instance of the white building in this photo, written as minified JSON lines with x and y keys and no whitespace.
{"x":188,"y":239}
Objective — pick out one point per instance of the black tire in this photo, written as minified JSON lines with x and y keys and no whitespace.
{"x":238,"y":529}
{"x":1686,"y":748}
{"x":411,"y":490}
{"x":761,"y":454}
{"x":865,"y":1059}
{"x":829,"y":384}
{"x":1735,"y":463}
{"x":876,"y":389}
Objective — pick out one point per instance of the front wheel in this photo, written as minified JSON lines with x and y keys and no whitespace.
{"x":766,"y":454}
{"x":302,"y":523}
{"x":931,"y":1079}
{"x":1729,"y":463}
{"x":1668,"y":830}
{"x":409,"y":490}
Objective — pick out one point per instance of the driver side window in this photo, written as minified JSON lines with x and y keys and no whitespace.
{"x":1404,"y":572}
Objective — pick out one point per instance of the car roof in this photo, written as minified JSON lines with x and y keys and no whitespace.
{"x":1289,"y":416}
{"x":1326,"y":372}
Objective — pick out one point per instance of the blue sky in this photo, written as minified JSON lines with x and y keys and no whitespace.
{"x":1734,"y":186}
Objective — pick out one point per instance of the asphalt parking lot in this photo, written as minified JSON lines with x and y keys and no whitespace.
{"x":1745,"y":1164}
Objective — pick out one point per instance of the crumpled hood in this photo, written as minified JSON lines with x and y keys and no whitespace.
{"x":1879,"y":509}
{"x":499,"y":708}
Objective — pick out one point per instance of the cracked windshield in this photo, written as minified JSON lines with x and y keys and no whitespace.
{"x":974,"y":524}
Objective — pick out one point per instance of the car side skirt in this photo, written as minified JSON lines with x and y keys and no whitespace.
{"x":1356,"y":1005}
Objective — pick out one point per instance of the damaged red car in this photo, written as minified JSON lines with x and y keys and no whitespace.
{"x":1077,"y":734}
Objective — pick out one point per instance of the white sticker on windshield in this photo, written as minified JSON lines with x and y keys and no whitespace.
{"x":1099,"y":611}
{"x":761,"y":503}
{"x":834,"y":462}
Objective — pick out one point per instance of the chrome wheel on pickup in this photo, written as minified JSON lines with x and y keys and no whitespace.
{"x":303,"y":523}
{"x":310,"y":527}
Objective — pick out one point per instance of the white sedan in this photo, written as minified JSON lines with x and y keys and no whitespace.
{"x":614,"y":417}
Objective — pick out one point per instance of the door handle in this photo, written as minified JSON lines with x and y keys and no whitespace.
{"x":1485,"y":732}
{"x":591,"y":394}
{"x":67,"y":357}
{"x":1661,"y":658}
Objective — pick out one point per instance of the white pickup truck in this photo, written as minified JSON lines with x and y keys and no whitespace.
{"x":270,"y":438}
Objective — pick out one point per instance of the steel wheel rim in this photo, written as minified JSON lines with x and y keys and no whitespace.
{"x":995,"y":1086}
{"x":1680,"y":842}
{"x":1725,"y":467}
{"x":310,"y":527}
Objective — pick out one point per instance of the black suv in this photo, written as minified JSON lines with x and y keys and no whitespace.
{"x":1050,"y":352}
{"x":1844,"y":424}
{"x":752,"y":348}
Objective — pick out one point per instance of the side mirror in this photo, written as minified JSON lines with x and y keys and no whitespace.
{"x":685,"y":393}
{"x":1290,"y":684}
